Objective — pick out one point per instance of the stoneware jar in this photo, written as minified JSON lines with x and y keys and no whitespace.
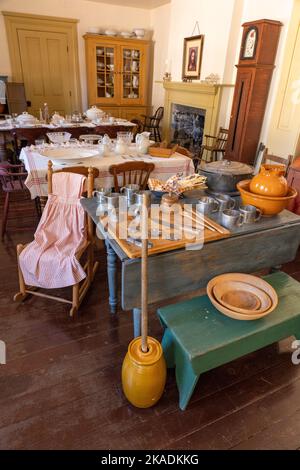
{"x":270,"y":181}
{"x":144,"y":374}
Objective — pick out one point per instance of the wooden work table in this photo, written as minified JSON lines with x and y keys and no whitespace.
{"x":268,"y":243}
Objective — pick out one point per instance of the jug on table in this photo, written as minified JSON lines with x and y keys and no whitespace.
{"x":104,"y":145}
{"x":121,"y":145}
{"x":143,"y":142}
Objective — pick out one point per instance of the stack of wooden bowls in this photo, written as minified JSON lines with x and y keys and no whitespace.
{"x":242,"y":296}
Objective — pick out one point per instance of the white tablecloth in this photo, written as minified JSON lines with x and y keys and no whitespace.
{"x":36,"y":166}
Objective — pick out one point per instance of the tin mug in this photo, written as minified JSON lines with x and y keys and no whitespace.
{"x":225,"y":202}
{"x":251,"y":214}
{"x":207,"y":205}
{"x":129,"y":191}
{"x":231,"y":218}
{"x":112,"y":199}
{"x":100,"y":194}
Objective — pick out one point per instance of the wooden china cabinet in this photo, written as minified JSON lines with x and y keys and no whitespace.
{"x":255,"y":69}
{"x":118,"y":75}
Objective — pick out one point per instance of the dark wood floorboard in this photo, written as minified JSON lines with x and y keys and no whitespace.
{"x":61,"y":385}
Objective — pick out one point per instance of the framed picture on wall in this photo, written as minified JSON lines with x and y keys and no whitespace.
{"x":192,"y":57}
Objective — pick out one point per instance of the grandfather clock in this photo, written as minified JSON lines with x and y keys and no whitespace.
{"x":255,"y":69}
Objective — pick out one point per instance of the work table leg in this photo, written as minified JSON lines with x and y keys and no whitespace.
{"x":112,"y":277}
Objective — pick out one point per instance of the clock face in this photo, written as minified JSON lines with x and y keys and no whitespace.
{"x":250,"y":44}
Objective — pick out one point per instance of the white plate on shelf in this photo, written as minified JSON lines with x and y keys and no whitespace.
{"x":67,"y":154}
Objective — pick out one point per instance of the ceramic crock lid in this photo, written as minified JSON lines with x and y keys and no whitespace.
{"x":94,"y":109}
{"x":228,"y":167}
{"x":25,"y":117}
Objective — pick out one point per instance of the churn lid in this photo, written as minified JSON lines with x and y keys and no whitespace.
{"x":228,"y":167}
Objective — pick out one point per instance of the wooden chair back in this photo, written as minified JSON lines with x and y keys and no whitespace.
{"x":91,"y":173}
{"x":132,"y":173}
{"x":158,"y":115}
{"x":273,"y":159}
{"x":12,"y":177}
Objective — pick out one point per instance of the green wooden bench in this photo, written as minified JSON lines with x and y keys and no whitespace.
{"x":198,"y":338}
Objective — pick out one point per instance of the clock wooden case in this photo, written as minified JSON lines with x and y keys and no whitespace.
{"x":255,"y":69}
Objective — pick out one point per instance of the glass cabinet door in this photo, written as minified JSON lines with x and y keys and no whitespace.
{"x":131,"y":73}
{"x":106,"y":73}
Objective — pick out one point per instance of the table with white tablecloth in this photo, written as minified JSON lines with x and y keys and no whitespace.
{"x":36,"y":166}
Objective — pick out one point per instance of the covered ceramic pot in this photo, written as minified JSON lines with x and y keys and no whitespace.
{"x":270,"y":181}
{"x":26,"y":118}
{"x":144,"y":374}
{"x":94,"y":113}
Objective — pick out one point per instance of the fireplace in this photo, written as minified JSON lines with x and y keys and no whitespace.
{"x":203,"y":103}
{"x":187,"y":126}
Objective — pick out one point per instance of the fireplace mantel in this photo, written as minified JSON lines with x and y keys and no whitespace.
{"x":198,"y":95}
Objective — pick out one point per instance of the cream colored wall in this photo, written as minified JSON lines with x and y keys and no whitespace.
{"x":88,"y":13}
{"x":160,"y":25}
{"x":284,"y":130}
{"x":214,"y":17}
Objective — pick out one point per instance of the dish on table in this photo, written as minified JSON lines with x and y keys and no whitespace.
{"x":67,"y":154}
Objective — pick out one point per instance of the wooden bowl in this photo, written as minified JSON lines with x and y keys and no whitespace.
{"x":245,"y":278}
{"x":242,"y":297}
{"x":269,"y":205}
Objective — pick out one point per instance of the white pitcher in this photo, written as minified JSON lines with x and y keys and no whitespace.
{"x":104,"y":145}
{"x":121,"y":146}
{"x":142,"y":142}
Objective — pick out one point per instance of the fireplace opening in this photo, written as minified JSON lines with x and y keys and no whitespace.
{"x":187,"y":125}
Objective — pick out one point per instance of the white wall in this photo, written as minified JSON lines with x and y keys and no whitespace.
{"x":88,"y":13}
{"x":214,"y":17}
{"x":160,"y":25}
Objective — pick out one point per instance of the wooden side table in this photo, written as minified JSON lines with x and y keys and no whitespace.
{"x":198,"y":338}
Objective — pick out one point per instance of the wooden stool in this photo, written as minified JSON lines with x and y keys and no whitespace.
{"x":198,"y":338}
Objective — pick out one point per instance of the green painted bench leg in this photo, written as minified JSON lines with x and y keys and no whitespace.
{"x":186,"y":378}
{"x":168,"y":348}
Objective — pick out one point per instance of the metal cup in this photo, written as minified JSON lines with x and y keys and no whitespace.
{"x":112,"y":199}
{"x":129,"y":191}
{"x":207,"y":205}
{"x":231,"y":218}
{"x":225,"y":202}
{"x":100,"y":194}
{"x":251,"y":214}
{"x":139,"y":198}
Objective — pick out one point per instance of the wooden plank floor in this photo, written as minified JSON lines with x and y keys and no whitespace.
{"x":61,"y":386}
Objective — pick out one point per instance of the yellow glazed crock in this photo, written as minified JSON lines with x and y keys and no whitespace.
{"x":144,"y":374}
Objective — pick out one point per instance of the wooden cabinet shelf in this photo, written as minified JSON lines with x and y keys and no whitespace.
{"x":122,"y":67}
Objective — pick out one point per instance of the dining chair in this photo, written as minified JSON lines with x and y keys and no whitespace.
{"x":138,"y":128}
{"x":12,"y":179}
{"x":131,"y":173}
{"x":273,"y":159}
{"x":213,"y":144}
{"x":152,"y":123}
{"x":83,"y":225}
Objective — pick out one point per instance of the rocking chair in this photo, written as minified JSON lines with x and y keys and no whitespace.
{"x":79,"y":289}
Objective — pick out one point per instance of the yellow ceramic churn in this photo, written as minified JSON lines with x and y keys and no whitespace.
{"x":270,"y":181}
{"x":144,"y":368}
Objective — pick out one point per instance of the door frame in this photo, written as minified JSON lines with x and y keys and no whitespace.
{"x":15,"y":21}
